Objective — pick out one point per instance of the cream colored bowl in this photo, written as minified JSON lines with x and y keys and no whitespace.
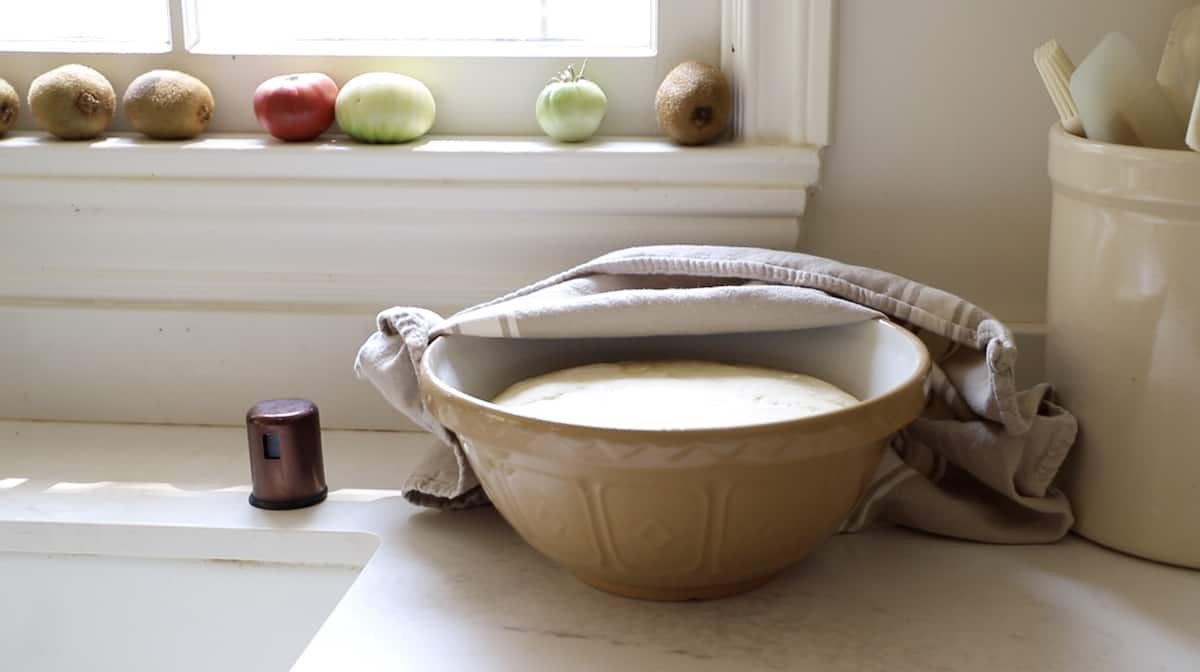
{"x":679,"y":514}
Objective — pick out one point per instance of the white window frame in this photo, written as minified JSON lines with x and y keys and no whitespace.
{"x":476,"y":95}
{"x":781,"y":74}
{"x":778,"y":54}
{"x":100,"y":255}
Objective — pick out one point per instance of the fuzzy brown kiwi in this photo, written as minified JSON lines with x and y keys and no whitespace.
{"x":73,"y":102}
{"x":10,"y":105}
{"x":168,"y":105}
{"x":694,"y":103}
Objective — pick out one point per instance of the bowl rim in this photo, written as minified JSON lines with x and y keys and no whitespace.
{"x":907,"y":391}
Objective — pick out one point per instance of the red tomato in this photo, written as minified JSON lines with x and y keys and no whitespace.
{"x":295,"y":107}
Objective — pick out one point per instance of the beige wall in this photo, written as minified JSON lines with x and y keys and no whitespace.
{"x":937,"y":168}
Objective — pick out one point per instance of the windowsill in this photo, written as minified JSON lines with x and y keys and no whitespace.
{"x":610,"y":161}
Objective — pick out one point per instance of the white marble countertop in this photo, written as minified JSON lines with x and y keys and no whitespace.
{"x":460,"y":591}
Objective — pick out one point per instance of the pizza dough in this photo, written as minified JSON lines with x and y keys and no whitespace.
{"x":663,"y":395}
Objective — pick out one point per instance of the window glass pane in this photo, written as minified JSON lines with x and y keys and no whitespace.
{"x":600,"y":22}
{"x":86,"y":25}
{"x":420,"y":26}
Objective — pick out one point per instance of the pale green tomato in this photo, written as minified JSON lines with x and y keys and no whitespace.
{"x":385,"y":107}
{"x":571,"y":111}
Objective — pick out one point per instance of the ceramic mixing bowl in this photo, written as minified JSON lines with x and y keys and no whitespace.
{"x":679,"y":514}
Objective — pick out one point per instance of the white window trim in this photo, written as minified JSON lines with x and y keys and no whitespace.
{"x":232,"y":268}
{"x":475,"y":96}
{"x":780,"y":55}
{"x":763,"y":175}
{"x":777,"y":53}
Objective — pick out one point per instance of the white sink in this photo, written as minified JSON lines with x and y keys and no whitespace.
{"x":119,"y":597}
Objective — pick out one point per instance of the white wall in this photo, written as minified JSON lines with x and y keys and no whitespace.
{"x":937,"y":168}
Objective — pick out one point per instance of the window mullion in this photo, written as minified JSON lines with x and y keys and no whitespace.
{"x":176,"y":16}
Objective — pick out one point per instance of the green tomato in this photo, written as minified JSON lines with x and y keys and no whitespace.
{"x":571,"y":108}
{"x":385,"y":107}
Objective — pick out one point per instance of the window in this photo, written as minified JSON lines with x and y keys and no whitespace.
{"x":141,"y":26}
{"x":414,"y":27}
{"x":484,"y":60}
{"x":423,"y":28}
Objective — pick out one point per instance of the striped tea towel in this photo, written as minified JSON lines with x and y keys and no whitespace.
{"x":978,"y":464}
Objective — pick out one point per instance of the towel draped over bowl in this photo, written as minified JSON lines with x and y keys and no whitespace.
{"x":978,"y":464}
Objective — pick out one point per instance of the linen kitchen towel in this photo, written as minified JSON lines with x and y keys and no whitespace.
{"x":978,"y":464}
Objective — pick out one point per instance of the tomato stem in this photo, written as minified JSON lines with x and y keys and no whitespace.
{"x":569,"y":75}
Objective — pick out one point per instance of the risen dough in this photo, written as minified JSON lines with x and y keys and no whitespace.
{"x":671,"y":395}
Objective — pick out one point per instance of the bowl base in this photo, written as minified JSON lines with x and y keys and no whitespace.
{"x":672,"y":594}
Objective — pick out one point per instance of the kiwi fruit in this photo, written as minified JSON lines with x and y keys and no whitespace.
{"x":168,"y":105}
{"x":694,"y":103}
{"x":73,"y":102}
{"x":10,"y":104}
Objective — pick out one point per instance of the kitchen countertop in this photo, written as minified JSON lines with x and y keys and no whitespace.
{"x":460,"y":590}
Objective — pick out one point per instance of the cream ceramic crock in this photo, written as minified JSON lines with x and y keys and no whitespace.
{"x":1123,"y":347}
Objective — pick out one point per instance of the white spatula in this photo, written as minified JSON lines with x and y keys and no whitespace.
{"x":1120,"y":102}
{"x":1193,"y":134}
{"x":1179,"y":72}
{"x":1056,"y":69}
